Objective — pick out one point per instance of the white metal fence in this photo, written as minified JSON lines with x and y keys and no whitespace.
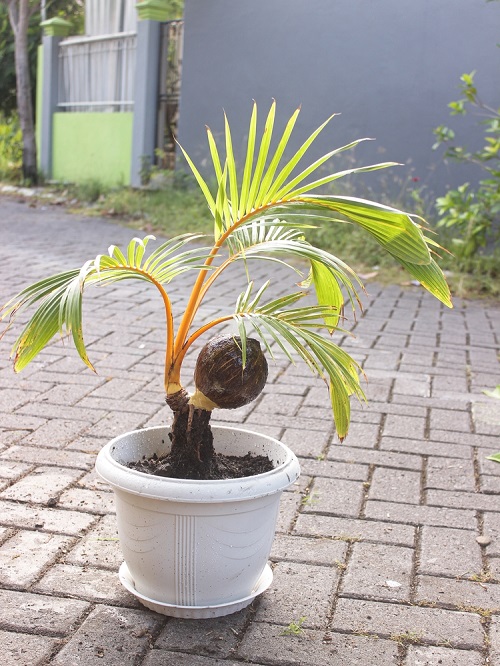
{"x":107,"y":17}
{"x":97,"y":73}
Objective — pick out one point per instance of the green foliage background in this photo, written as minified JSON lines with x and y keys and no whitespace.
{"x":71,"y":10}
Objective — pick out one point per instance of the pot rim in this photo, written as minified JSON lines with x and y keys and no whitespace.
{"x":191,"y":490}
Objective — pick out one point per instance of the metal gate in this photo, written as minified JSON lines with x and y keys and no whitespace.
{"x":172,"y":33}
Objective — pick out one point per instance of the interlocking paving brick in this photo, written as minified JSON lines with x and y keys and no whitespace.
{"x":420,"y":515}
{"x":426,"y":448}
{"x":64,"y":394}
{"x":450,"y":474}
{"x":378,"y":389}
{"x":73,"y":523}
{"x":360,"y":413}
{"x":345,"y":453}
{"x":18,"y":422}
{"x":82,"y":499}
{"x":379,"y":572}
{"x":115,"y":423}
{"x":311,"y":423}
{"x":92,"y":481}
{"x":334,"y":470}
{"x":47,"y":410}
{"x":382,"y":360}
{"x":434,"y":625}
{"x":216,"y":637}
{"x":42,"y":485}
{"x":24,"y":649}
{"x":438,"y":656}
{"x":351,"y":530}
{"x":364,"y":435}
{"x":9,"y":437}
{"x":287,"y":389}
{"x":13,"y":470}
{"x":495,"y":641}
{"x":467,"y":438}
{"x":25,"y":555}
{"x":90,"y":445}
{"x":316,"y":397}
{"x":99,"y":548}
{"x":397,"y":408}
{"x":290,"y":504}
{"x":163,"y":658}
{"x":298,"y":589}
{"x":42,"y":456}
{"x":396,"y":485}
{"x":11,"y":399}
{"x":446,"y":384}
{"x":489,"y":484}
{"x":491,"y":530}
{"x":413,"y":385}
{"x":279,"y":404}
{"x":267,"y":643}
{"x":404,"y":426}
{"x":92,"y":584}
{"x":23,"y":611}
{"x":305,"y":443}
{"x":338,"y":496}
{"x":118,"y":390}
{"x":450,"y":420}
{"x":111,"y":636}
{"x":463,"y":500}
{"x":115,"y":360}
{"x":146,"y":409}
{"x":465,"y":594}
{"x":312,"y":551}
{"x":486,"y":417}
{"x":449,"y":552}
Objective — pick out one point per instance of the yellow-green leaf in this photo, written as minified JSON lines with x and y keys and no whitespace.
{"x":328,"y":292}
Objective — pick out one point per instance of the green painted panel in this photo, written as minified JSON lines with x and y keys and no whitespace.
{"x":92,"y":146}
{"x":39,"y":93}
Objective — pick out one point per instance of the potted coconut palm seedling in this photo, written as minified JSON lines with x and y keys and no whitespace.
{"x":197,"y":505}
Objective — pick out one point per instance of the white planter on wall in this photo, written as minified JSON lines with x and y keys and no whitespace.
{"x":196,"y":549}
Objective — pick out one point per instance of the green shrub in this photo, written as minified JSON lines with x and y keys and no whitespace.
{"x":11,"y":149}
{"x":471,"y":215}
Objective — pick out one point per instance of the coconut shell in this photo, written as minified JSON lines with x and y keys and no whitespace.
{"x":221,"y":377}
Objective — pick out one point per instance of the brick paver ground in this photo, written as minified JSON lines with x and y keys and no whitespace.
{"x":388,"y":548}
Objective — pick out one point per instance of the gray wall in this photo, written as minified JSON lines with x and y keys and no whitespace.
{"x":389,"y":66}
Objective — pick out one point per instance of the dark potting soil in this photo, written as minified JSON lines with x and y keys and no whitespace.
{"x":223,"y":467}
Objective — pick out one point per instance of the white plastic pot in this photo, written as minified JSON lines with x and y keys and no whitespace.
{"x":196,"y":549}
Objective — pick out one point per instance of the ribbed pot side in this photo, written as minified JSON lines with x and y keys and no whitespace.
{"x":193,"y":543}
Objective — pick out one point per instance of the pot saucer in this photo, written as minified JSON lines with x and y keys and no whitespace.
{"x":196,"y":612}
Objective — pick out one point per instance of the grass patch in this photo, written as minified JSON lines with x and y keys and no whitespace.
{"x":169,"y":211}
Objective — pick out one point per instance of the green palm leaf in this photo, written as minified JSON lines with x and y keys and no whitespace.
{"x":392,"y":228}
{"x":293,"y":332}
{"x":258,"y":241}
{"x":247,"y":171}
{"x":274,"y":191}
{"x":431,"y":277}
{"x":59,"y":297}
{"x":261,"y":159}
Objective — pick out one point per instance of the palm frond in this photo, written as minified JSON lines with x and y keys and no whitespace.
{"x":270,"y":190}
{"x":59,"y":297}
{"x":247,"y":171}
{"x":261,"y":160}
{"x":293,"y":330}
{"x":329,"y":273}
